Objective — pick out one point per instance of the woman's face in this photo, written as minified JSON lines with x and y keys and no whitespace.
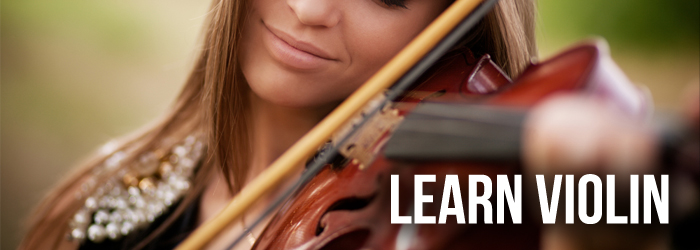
{"x":307,"y":53}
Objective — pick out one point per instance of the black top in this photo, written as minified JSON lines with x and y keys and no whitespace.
{"x":169,"y":239}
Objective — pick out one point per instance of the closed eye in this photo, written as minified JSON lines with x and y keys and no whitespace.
{"x":394,"y":3}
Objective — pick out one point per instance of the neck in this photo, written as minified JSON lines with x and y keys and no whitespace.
{"x":275,"y":128}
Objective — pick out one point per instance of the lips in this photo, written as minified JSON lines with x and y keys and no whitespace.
{"x":294,"y":53}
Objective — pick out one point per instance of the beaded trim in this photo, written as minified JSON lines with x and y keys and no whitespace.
{"x":136,"y":195}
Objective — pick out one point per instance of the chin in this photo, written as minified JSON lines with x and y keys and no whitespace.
{"x":288,"y":89}
{"x":294,"y":95}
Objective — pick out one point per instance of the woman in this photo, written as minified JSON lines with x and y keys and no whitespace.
{"x":269,"y":70}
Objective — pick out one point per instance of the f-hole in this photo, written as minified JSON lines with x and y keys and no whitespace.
{"x":352,"y":203}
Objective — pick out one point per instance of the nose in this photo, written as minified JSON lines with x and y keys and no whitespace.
{"x":316,"y":12}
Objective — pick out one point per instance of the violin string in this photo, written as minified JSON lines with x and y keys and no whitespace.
{"x":466,"y":121}
{"x":398,"y":88}
{"x":250,"y":236}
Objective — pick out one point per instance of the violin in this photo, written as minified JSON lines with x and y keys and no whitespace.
{"x":346,"y":206}
{"x":342,"y":199}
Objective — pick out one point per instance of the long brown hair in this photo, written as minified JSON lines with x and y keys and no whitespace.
{"x":214,"y":102}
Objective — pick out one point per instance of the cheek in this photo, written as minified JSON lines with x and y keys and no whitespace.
{"x":375,"y":39}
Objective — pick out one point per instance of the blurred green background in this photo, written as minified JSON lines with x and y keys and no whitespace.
{"x":76,"y":73}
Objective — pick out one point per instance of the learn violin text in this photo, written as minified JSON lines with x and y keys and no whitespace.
{"x":479,"y":193}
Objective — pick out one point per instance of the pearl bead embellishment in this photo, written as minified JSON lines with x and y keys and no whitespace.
{"x":137,"y":194}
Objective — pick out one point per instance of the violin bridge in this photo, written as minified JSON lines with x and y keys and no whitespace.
{"x":364,"y":145}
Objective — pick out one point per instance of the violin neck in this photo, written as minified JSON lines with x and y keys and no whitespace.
{"x":435,"y":131}
{"x":449,"y":132}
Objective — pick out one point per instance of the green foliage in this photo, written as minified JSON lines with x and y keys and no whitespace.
{"x":638,"y":23}
{"x":110,"y":25}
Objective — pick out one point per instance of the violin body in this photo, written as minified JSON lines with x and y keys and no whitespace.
{"x":347,"y":205}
